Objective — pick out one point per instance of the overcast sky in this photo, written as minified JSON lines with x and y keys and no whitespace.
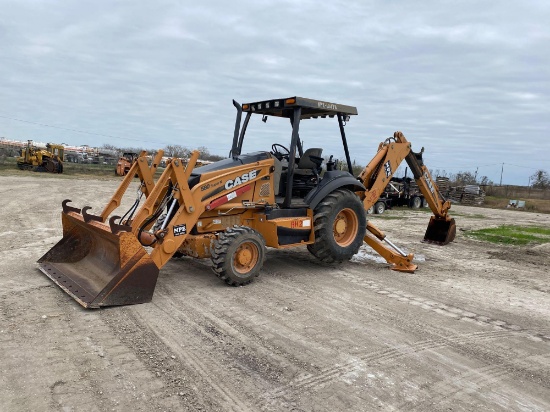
{"x":467,"y":80}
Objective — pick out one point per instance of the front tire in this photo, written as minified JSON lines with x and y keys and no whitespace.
{"x":238,"y":255}
{"x":340,"y":224}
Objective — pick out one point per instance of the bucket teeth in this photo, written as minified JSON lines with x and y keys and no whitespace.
{"x":116,"y":228}
{"x":88,"y":216}
{"x":67,"y":208}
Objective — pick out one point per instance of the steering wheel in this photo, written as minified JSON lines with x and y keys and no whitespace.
{"x":279,"y":154}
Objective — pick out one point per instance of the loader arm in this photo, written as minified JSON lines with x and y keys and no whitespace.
{"x":188,"y":204}
{"x":376,"y":176}
{"x":146,"y":176}
{"x":101,"y":264}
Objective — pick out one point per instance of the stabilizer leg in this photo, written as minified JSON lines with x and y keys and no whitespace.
{"x":397,"y":259}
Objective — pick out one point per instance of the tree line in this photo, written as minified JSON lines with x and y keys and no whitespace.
{"x":538,"y":180}
{"x":169,"y":151}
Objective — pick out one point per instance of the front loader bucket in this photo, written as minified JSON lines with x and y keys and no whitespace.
{"x":440,"y":231}
{"x":99,"y":268}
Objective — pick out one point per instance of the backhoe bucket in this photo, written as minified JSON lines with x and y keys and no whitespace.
{"x":440,"y":231}
{"x":99,"y":268}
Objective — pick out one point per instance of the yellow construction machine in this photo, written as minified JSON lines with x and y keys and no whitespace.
{"x":40,"y":160}
{"x":231,"y":210}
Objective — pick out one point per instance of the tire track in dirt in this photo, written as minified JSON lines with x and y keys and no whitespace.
{"x":209,"y":326}
{"x":217,"y":316}
{"x":337,"y":372}
{"x":327,"y":375}
{"x":443,"y":309}
{"x":203,"y":366}
{"x":76,"y":382}
{"x":483,"y":377}
{"x":185,"y":370}
{"x":214,"y":326}
{"x":426,"y":304}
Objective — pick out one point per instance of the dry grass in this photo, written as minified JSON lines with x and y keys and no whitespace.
{"x":8,"y":166}
{"x":531,"y":205}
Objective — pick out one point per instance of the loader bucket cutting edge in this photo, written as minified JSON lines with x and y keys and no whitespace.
{"x":98,"y":268}
{"x":440,"y":231}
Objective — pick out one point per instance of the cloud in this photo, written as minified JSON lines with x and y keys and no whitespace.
{"x":467,"y":80}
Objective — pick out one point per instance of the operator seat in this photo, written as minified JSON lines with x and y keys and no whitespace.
{"x":310,"y":162}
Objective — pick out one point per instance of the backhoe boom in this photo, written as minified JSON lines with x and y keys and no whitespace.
{"x":376,"y":176}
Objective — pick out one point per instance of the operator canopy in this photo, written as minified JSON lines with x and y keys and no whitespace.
{"x":310,"y":108}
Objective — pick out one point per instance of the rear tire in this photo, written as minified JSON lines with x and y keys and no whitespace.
{"x":379,"y":208}
{"x":238,"y":255}
{"x":416,"y":202}
{"x":340,"y":224}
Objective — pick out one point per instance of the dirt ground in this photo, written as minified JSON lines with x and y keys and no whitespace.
{"x":469,"y":331}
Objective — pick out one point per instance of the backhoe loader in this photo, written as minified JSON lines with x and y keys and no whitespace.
{"x":40,"y":160}
{"x":231,"y":210}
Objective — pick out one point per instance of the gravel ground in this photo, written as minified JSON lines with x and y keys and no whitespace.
{"x":468,"y":331}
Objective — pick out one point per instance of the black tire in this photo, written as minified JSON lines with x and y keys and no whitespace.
{"x":370,"y":210}
{"x":52,"y":166}
{"x":416,"y":202}
{"x":331,"y":244}
{"x":379,"y":208}
{"x":233,"y":244}
{"x":424,"y":202}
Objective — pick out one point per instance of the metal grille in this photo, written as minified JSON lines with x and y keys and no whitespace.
{"x":264,"y":190}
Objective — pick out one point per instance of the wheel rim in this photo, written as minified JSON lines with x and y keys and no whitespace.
{"x":345,"y":227}
{"x":246,"y":257}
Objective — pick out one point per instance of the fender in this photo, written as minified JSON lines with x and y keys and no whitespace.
{"x":331,"y":181}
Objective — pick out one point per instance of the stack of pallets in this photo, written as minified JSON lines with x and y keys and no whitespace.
{"x":467,"y":195}
{"x":443,"y":185}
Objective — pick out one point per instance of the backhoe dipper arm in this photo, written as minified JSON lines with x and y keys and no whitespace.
{"x":426,"y":184}
{"x":442,"y":228}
